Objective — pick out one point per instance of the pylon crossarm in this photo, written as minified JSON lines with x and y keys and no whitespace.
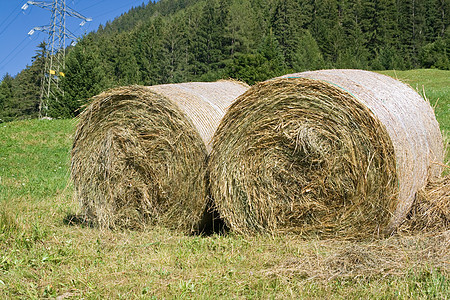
{"x":76,"y":14}
{"x":42,"y":4}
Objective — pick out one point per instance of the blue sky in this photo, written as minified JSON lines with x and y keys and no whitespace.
{"x":17,"y":47}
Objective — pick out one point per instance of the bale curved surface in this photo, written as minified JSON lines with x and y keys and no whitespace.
{"x":330,"y":151}
{"x":139,"y":153}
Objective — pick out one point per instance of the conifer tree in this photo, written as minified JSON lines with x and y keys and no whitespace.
{"x":7,"y":112}
{"x":84,"y":77}
{"x":326,"y":29}
{"x":286,"y":24}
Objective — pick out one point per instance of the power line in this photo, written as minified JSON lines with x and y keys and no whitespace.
{"x":111,"y":11}
{"x":4,"y":20}
{"x":5,"y":58}
{"x":12,"y":20}
{"x":17,"y":53}
{"x":95,"y":4}
{"x":6,"y":27}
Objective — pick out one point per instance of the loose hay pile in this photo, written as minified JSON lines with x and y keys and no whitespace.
{"x":335,"y":152}
{"x":139,"y":153}
{"x":431,"y":208}
{"x":328,"y":259}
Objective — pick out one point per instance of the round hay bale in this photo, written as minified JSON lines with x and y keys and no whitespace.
{"x":339,"y":152}
{"x":139,"y":153}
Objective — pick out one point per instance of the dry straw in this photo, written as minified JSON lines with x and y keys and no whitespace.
{"x":139,"y":153}
{"x":328,"y":259}
{"x":431,"y":208}
{"x":335,"y":152}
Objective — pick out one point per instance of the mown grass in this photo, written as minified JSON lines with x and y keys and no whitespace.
{"x":42,"y":257}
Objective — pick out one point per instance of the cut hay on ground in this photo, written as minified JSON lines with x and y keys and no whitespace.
{"x":395,"y":256}
{"x":139,"y":153}
{"x":340,"y":152}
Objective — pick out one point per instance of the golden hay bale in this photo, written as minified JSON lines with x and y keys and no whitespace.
{"x":139,"y":153}
{"x":340,"y":152}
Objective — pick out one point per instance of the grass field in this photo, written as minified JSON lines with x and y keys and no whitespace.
{"x":42,"y":257}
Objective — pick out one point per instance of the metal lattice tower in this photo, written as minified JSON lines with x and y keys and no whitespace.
{"x":51,"y":90}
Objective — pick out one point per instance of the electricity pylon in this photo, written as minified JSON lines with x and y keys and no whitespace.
{"x":51,"y":90}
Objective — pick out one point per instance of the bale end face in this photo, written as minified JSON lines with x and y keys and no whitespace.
{"x":302,"y":155}
{"x":137,"y":160}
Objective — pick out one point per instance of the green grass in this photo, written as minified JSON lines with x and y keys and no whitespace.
{"x":41,"y":257}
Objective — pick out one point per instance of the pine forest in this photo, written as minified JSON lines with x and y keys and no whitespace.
{"x":172,"y":41}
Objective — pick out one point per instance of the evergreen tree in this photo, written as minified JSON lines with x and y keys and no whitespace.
{"x":267,"y":63}
{"x":242,"y":28}
{"x":212,"y":39}
{"x":308,"y":55}
{"x":287,"y":23}
{"x":150,"y":55}
{"x":354,"y":53}
{"x":437,"y":53}
{"x":126,"y":68}
{"x":411,"y":22}
{"x":443,"y":20}
{"x":174,"y":48}
{"x":27,"y":86}
{"x":7,"y":112}
{"x":85,"y":77}
{"x":326,"y":29}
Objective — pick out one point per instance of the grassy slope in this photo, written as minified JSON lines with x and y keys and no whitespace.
{"x":42,"y":257}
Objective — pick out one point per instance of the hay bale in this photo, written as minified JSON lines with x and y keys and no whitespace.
{"x":139,"y":153}
{"x":339,"y":152}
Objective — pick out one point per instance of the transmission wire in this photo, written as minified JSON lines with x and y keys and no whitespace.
{"x":17,"y":53}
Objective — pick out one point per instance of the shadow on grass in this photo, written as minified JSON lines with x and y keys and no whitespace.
{"x":77,"y":220}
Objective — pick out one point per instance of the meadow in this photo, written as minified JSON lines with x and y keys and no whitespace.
{"x":41,"y":256}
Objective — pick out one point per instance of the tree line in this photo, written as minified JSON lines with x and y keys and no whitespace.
{"x":172,"y":41}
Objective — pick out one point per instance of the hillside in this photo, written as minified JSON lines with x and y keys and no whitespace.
{"x":250,"y":40}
